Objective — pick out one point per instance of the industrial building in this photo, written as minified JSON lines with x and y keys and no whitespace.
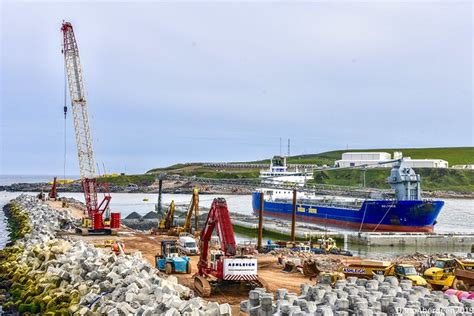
{"x":376,"y":160}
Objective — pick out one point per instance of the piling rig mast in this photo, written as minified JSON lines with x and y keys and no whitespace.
{"x":82,"y":132}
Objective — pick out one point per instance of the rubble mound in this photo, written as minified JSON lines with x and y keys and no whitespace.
{"x":151,"y":215}
{"x":41,"y":274}
{"x":133,"y":215}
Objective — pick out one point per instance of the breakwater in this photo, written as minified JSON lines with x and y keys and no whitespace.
{"x":42,"y":273}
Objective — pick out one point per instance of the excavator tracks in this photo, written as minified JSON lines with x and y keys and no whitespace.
{"x":262,"y":283}
{"x":202,"y":286}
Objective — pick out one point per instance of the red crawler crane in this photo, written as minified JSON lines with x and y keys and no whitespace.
{"x":94,"y":223}
{"x":223,"y":265}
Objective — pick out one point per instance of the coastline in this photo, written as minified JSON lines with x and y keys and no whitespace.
{"x":187,"y":188}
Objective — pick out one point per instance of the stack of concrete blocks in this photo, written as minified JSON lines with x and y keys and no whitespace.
{"x":107,"y":283}
{"x":377,"y":297}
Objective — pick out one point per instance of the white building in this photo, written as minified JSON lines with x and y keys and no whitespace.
{"x":376,"y":159}
{"x":471,"y":166}
{"x":426,"y":163}
{"x":354,"y":159}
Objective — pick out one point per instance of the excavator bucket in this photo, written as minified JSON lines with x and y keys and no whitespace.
{"x":310,"y":268}
{"x":289,"y":267}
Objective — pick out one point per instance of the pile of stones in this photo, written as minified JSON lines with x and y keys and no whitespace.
{"x":354,"y":296}
{"x":40,"y":273}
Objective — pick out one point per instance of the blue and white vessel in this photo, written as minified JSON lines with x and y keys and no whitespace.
{"x":406,"y":212}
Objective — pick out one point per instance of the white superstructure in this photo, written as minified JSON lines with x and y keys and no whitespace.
{"x":278,"y":173}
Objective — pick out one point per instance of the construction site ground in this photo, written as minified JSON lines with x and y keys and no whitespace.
{"x":149,"y":246}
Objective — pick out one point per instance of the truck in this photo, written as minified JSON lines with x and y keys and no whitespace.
{"x":170,"y":260}
{"x":368,"y":268}
{"x":450,"y":273}
{"x":187,"y":245}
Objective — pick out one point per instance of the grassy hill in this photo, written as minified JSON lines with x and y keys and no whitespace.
{"x":453,"y":155}
{"x":432,"y":179}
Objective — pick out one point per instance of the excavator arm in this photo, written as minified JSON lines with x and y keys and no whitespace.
{"x":218,"y":216}
{"x":194,"y":206}
{"x":170,"y":215}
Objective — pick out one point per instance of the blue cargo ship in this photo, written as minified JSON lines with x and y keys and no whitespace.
{"x":407,"y":212}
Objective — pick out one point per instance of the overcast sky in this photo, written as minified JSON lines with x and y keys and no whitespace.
{"x":175,"y":82}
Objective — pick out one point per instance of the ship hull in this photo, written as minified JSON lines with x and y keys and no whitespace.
{"x":373,"y":215}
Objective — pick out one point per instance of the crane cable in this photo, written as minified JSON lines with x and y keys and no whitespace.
{"x":65,"y":130}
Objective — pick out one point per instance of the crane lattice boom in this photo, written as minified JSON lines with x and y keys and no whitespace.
{"x":85,"y":151}
{"x":78,"y":102}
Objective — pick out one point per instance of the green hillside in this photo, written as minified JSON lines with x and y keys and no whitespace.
{"x":453,"y":155}
{"x":433,"y":179}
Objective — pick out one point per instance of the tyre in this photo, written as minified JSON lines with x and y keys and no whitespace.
{"x":168,"y":268}
{"x":459,"y":285}
{"x":188,"y":267}
{"x":437,"y":287}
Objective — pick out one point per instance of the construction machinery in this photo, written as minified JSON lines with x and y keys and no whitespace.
{"x":450,"y":273}
{"x":166,"y":223}
{"x":94,"y":222}
{"x":187,"y":228}
{"x":53,"y":193}
{"x":310,"y":269}
{"x":187,"y":244}
{"x":170,"y":260}
{"x":368,"y":268}
{"x":223,"y":265}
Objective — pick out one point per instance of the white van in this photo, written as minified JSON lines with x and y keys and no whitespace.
{"x":187,"y":245}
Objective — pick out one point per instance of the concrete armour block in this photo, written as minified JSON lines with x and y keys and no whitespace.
{"x":244,"y":306}
{"x":254,"y":298}
{"x":324,"y":311}
{"x":361,"y":282}
{"x":304,"y":288}
{"x":130,"y":297}
{"x":364,"y":312}
{"x":392,"y":280}
{"x":330,"y":298}
{"x":172,"y":312}
{"x":400,"y":301}
{"x":352,"y":280}
{"x":342,"y":304}
{"x":225,"y":310}
{"x":280,"y":294}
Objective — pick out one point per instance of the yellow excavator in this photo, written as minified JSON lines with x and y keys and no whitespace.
{"x":186,"y":228}
{"x":166,"y":222}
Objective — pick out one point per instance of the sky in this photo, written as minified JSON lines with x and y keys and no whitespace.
{"x":170,"y":82}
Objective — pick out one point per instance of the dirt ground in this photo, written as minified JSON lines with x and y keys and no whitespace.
{"x":149,"y":246}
